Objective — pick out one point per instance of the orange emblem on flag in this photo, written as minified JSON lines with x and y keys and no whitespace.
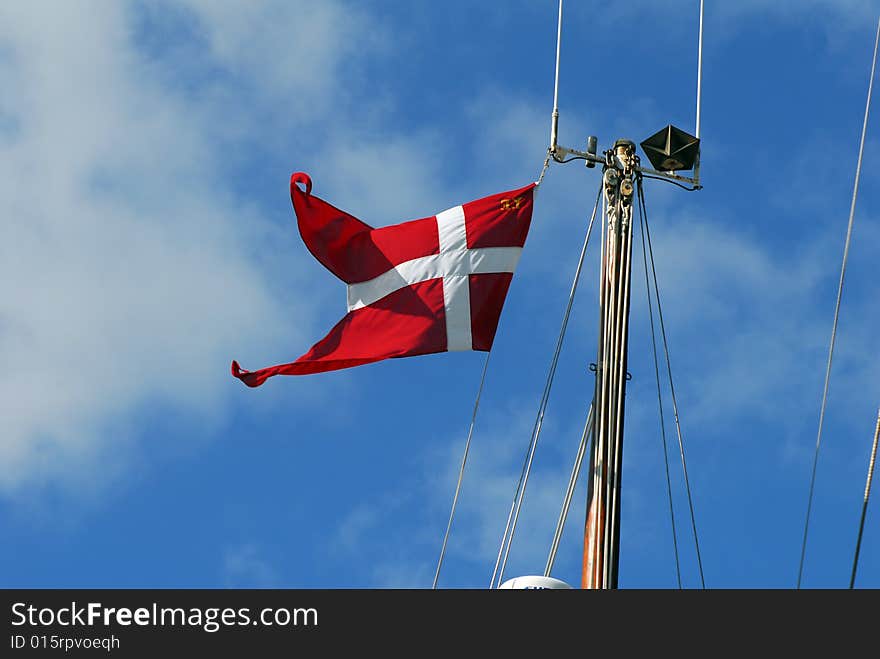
{"x":512,"y":204}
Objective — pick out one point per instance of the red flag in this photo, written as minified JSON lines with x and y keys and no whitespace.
{"x":414,"y":288}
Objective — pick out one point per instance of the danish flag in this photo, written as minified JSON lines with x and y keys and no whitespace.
{"x":425,"y":286}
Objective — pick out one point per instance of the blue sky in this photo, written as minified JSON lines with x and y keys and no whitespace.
{"x":145,"y":152}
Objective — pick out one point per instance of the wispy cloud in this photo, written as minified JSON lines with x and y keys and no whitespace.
{"x":129,"y":273}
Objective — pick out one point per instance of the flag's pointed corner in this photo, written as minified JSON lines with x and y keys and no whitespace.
{"x":300,"y":177}
{"x":245,"y":376}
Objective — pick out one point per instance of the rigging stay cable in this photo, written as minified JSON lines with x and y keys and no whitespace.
{"x":516,"y":504}
{"x":660,"y":399}
{"x":852,"y":212}
{"x":644,"y":213}
{"x":464,"y":457}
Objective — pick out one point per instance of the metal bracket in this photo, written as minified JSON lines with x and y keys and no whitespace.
{"x":560,"y":153}
{"x":595,"y":369}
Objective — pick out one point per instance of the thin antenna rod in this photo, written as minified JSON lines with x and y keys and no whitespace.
{"x":699,"y":68}
{"x":554,"y":125}
{"x":852,"y":212}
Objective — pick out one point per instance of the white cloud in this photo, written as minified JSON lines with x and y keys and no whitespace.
{"x":289,"y":53}
{"x":130,"y":273}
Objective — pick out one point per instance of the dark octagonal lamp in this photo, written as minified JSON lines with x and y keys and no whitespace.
{"x":671,"y":149}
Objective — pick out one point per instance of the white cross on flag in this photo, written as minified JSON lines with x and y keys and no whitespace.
{"x":414,"y":288}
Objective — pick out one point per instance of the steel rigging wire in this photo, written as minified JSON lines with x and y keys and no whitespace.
{"x":644,"y":213}
{"x":464,"y":457}
{"x":852,"y":212}
{"x":659,"y":398}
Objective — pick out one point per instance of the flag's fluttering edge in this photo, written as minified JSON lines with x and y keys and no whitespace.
{"x":414,"y":288}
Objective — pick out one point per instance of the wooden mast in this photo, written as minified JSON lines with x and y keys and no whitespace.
{"x":602,"y":528}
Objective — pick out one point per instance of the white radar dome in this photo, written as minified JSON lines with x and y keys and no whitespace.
{"x":535,"y":583}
